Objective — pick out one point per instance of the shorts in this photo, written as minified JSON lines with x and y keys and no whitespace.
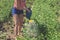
{"x":16,"y":11}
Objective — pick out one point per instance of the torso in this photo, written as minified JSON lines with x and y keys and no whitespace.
{"x":19,"y":4}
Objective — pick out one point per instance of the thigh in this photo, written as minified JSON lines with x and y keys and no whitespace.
{"x":15,"y":18}
{"x":21,"y":17}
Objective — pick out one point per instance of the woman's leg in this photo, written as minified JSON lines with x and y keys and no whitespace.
{"x":20,"y":23}
{"x":15,"y":19}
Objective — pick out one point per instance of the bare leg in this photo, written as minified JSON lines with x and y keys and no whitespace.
{"x":20,"y":23}
{"x":15,"y":19}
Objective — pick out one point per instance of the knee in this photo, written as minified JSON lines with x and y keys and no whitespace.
{"x":16,"y":24}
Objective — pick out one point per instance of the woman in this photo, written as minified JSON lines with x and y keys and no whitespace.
{"x":17,"y":12}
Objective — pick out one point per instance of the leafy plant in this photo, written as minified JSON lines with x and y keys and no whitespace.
{"x":5,"y":9}
{"x":44,"y":12}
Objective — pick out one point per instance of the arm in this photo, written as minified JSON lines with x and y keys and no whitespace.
{"x":25,"y":7}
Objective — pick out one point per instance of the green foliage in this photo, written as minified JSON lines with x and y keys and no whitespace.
{"x":5,"y":9}
{"x":44,"y":12}
{"x":30,"y":29}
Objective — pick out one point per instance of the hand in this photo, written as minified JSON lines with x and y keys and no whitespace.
{"x":28,"y":10}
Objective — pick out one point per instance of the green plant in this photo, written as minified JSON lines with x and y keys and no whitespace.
{"x":44,"y":13}
{"x":5,"y":9}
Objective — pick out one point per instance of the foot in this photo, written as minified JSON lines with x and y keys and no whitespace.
{"x":20,"y":34}
{"x":13,"y":37}
{"x":8,"y":38}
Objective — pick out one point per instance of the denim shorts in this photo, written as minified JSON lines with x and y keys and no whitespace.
{"x":16,"y":11}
